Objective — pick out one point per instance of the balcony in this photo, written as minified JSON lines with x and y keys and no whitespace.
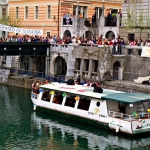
{"x":67,"y":22}
{"x":112,"y":22}
{"x":88,"y":23}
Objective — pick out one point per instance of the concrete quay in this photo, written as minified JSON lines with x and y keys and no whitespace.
{"x":125,"y":86}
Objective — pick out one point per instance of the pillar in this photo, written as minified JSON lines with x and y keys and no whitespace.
{"x":90,"y":69}
{"x":81,"y":67}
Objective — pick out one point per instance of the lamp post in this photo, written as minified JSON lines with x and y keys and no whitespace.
{"x":58,"y":16}
{"x":103,"y":8}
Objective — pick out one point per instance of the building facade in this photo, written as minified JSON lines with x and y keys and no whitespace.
{"x":136,"y":8}
{"x":3,"y":12}
{"x":49,"y":15}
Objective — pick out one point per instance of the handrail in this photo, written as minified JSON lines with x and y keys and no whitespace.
{"x":33,"y":95}
{"x":126,"y":116}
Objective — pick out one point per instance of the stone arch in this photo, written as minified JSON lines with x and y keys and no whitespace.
{"x":110,"y":35}
{"x":24,"y":62}
{"x":116,"y":67}
{"x":88,"y":34}
{"x":53,"y":59}
{"x":67,"y":33}
{"x":60,"y":66}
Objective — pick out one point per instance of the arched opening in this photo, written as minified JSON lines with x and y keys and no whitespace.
{"x":25,"y":63}
{"x":60,"y":66}
{"x":88,"y":34}
{"x":40,"y":64}
{"x":110,"y":35}
{"x":116,"y":70}
{"x":67,"y":33}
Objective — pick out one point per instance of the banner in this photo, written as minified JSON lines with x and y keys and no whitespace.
{"x":21,"y":30}
{"x":65,"y":8}
{"x":145,"y":52}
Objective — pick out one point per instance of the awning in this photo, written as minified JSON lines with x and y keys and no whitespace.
{"x":128,"y":97}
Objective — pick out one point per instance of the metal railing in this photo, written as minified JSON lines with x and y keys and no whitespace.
{"x":126,"y":116}
{"x":36,"y":74}
{"x":112,"y":22}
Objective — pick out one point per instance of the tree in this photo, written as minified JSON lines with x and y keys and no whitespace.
{"x":11,"y":20}
{"x":136,"y":19}
{"x":104,"y":57}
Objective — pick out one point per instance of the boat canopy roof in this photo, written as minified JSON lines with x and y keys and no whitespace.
{"x":128,"y":97}
{"x":77,"y":90}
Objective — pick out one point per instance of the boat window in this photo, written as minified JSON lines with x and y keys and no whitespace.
{"x":84,"y":104}
{"x":98,"y":104}
{"x":70,"y":101}
{"x":58,"y":98}
{"x":46,"y":96}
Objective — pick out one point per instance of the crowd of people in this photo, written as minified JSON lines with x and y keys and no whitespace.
{"x":36,"y":85}
{"x":81,"y":41}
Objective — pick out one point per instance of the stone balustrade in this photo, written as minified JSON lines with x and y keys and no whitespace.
{"x":116,"y":50}
{"x":3,"y":1}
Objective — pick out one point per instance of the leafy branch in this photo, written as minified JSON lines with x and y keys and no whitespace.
{"x":136,"y":19}
{"x":11,"y":20}
{"x":104,"y":57}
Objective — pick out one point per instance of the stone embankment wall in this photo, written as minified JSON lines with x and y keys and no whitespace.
{"x":124,"y":86}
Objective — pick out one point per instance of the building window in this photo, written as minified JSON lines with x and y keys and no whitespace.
{"x":82,"y":11}
{"x":17,"y":12}
{"x":26,"y":12}
{"x":48,"y":11}
{"x":149,"y":37}
{"x":98,"y":12}
{"x":36,"y":12}
{"x":77,"y":64}
{"x":131,"y":37}
{"x":48,"y":34}
{"x":4,"y":13}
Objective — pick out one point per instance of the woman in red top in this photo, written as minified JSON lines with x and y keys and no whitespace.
{"x":99,"y":42}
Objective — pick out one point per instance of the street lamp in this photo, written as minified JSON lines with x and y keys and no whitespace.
{"x":103,"y":8}
{"x":58,"y":16}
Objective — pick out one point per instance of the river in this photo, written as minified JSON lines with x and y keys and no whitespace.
{"x":23,"y":129}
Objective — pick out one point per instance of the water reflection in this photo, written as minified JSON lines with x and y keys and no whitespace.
{"x":23,"y":129}
{"x":83,"y":137}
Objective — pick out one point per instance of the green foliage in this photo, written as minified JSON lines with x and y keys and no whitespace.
{"x":11,"y":20}
{"x":104,"y":56}
{"x":113,"y":14}
{"x":136,"y":19}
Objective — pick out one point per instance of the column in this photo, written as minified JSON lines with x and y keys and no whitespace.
{"x":81,"y":67}
{"x":0,"y":11}
{"x":102,"y":21}
{"x":81,"y":10}
{"x":0,"y":17}
{"x":90,"y":69}
{"x":97,"y":13}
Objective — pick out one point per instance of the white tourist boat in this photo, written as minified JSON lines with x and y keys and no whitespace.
{"x":112,"y":110}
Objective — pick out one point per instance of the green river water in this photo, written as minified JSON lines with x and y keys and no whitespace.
{"x":23,"y":129}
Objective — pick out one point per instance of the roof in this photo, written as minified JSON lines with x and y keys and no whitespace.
{"x":128,"y":97}
{"x":77,"y":89}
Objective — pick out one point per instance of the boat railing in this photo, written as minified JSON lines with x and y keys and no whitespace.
{"x":35,"y":96}
{"x":127,"y":117}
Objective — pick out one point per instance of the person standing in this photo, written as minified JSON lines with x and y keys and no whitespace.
{"x":109,"y":18}
{"x":93,"y":20}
